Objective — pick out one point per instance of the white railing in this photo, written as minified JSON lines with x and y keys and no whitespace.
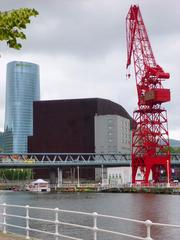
{"x":6,"y":218}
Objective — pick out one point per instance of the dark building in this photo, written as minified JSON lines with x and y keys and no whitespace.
{"x":67,"y":126}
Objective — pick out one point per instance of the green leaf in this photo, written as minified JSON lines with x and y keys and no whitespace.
{"x":11,"y":25}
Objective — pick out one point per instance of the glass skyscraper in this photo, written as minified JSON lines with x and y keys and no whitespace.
{"x":22,"y":88}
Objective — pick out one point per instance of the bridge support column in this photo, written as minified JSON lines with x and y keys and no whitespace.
{"x":78,"y":182}
{"x":102,"y":175}
{"x":72,"y":172}
{"x":59,"y":177}
{"x":52,"y":176}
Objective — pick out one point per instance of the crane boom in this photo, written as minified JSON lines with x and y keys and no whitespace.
{"x":150,"y":139}
{"x":137,"y":34}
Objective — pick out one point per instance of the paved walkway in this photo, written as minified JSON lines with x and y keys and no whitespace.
{"x":12,"y":237}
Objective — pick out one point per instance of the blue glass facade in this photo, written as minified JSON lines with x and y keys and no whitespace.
{"x":22,"y":88}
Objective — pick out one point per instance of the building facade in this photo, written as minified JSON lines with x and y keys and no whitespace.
{"x":112,"y":134}
{"x":1,"y":141}
{"x":22,"y":88}
{"x":71,"y":126}
{"x":119,"y":175}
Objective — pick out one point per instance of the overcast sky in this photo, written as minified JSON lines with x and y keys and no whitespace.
{"x":80,"y":46}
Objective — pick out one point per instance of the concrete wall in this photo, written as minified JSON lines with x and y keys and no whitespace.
{"x":119,"y":175}
{"x":112,"y":134}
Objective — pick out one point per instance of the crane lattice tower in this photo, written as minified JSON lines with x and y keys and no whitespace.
{"x":150,"y":139}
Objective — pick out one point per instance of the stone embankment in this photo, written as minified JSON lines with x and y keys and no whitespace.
{"x":121,"y":189}
{"x":156,"y":190}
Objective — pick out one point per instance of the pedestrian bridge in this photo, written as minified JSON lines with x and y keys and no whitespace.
{"x":53,"y":160}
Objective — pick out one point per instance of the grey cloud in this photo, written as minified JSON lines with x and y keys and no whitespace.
{"x":90,"y":28}
{"x":82,"y":46}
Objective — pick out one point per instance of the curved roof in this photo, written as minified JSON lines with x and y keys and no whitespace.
{"x":92,"y":106}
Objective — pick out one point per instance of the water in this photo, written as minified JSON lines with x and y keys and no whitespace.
{"x":158,"y":208}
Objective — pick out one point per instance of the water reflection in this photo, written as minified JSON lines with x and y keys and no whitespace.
{"x":158,"y":208}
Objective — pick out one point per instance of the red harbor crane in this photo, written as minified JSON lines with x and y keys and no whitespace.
{"x":150,"y":138}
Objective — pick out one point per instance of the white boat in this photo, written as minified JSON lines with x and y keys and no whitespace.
{"x":38,"y":185}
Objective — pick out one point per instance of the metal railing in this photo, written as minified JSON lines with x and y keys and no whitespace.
{"x":56,"y":222}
